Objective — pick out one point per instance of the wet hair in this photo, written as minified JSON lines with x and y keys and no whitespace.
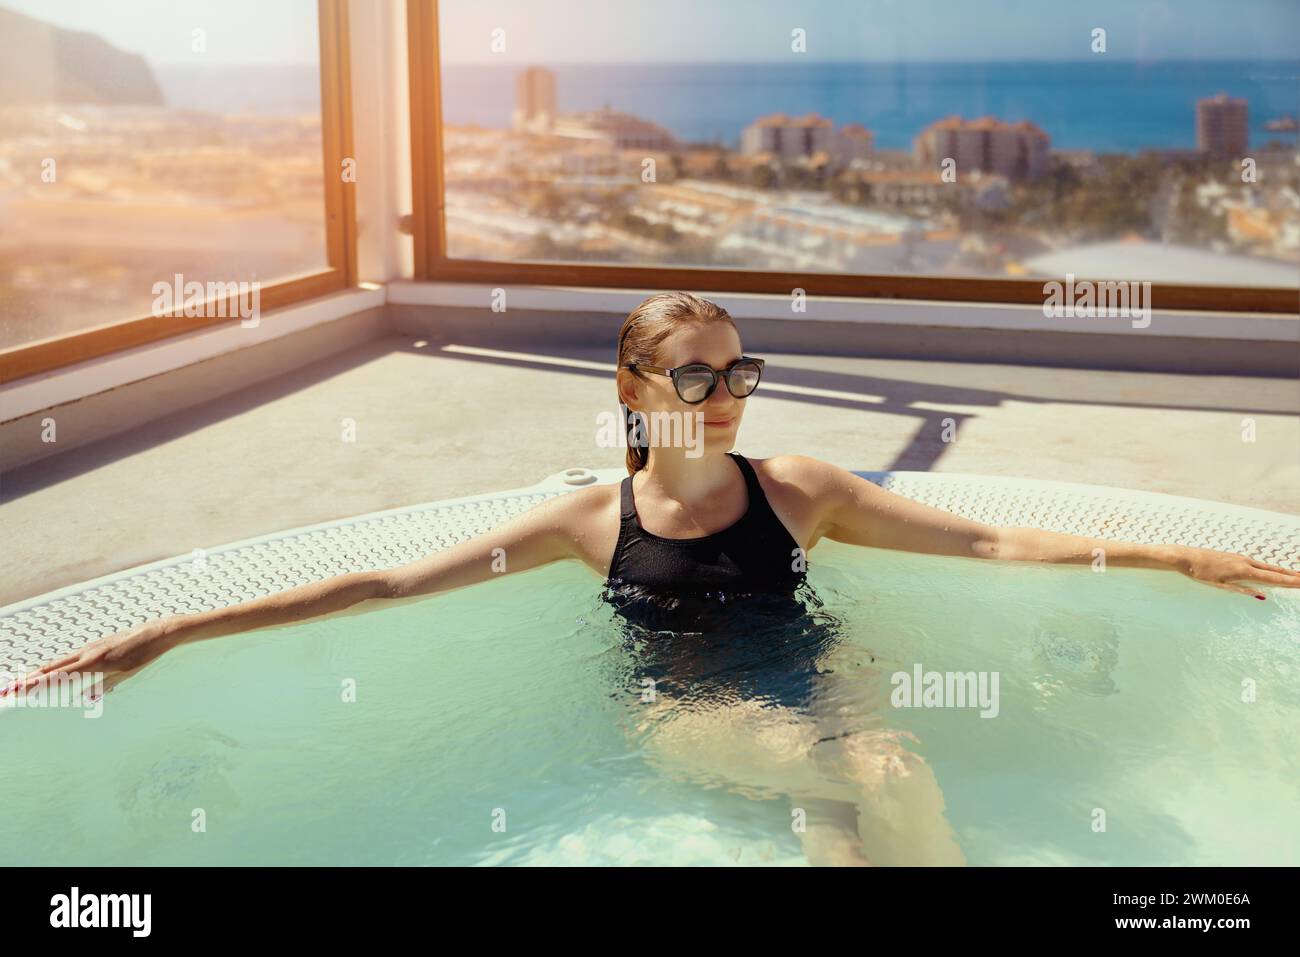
{"x":644,"y":331}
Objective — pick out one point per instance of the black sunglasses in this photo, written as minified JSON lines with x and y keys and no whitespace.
{"x":695,"y":382}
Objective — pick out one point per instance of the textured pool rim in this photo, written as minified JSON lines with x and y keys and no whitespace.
{"x":58,"y":622}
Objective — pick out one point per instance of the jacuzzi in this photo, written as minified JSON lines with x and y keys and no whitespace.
{"x":484,"y":725}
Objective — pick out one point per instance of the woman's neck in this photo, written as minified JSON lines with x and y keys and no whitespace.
{"x":672,"y":474}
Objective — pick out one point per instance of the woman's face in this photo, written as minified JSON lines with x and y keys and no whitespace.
{"x":717,"y":345}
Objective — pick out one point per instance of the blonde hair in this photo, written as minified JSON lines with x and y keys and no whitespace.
{"x":644,"y":331}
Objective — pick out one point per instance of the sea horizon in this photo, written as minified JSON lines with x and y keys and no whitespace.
{"x":1105,"y":105}
{"x":1117,"y":105}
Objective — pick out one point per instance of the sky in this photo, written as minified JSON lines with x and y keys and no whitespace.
{"x":236,"y":31}
{"x":754,"y":30}
{"x":558,"y":31}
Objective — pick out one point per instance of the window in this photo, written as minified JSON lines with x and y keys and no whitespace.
{"x":924,"y":150}
{"x":164,"y":166}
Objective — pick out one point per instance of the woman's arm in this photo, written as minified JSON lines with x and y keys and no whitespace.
{"x":859,"y":512}
{"x":1206,"y":565}
{"x":546,"y":533}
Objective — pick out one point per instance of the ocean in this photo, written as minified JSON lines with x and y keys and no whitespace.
{"x":1103,"y":104}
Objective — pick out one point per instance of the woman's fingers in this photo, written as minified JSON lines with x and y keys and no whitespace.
{"x":37,"y":680}
{"x":33,"y":679}
{"x":1275,"y":568}
{"x":27,"y":680}
{"x":121,"y":654}
{"x":25,"y":683}
{"x":64,"y":667}
{"x":1275,"y":578}
{"x":1237,"y":588}
{"x":84,"y":659}
{"x":65,"y":660}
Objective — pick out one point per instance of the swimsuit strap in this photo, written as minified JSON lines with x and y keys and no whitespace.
{"x":628,"y":508}
{"x":760,"y":513}
{"x":756,"y":496}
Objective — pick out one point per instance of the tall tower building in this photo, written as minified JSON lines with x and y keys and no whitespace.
{"x":534,"y":100}
{"x":1222,"y":126}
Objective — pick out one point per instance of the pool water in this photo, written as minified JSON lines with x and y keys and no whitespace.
{"x":504,"y":724}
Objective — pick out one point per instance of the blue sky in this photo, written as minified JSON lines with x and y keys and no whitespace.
{"x":283,"y":31}
{"x":714,"y":30}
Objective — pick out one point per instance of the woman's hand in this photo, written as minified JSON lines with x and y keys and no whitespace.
{"x":1220,"y":569}
{"x":119,"y":656}
{"x":116,"y":657}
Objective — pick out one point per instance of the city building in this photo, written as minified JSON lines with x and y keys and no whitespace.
{"x":1015,"y":150}
{"x":617,"y":130}
{"x":854,"y":143}
{"x":789,"y":137}
{"x":1222,"y":126}
{"x":811,"y":138}
{"x":534,"y":100}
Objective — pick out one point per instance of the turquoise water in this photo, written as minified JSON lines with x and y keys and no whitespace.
{"x":509,"y":703}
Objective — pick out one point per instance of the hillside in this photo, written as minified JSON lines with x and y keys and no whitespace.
{"x":41,"y":63}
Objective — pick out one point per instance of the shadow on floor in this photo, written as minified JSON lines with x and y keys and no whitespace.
{"x":879,"y":394}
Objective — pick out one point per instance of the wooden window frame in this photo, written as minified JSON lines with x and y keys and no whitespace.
{"x":431,"y":261}
{"x":56,"y":352}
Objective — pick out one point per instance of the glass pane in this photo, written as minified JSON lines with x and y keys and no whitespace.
{"x":1122,"y":140}
{"x":145,"y":141}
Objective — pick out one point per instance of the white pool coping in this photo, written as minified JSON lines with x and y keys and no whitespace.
{"x":54,"y":624}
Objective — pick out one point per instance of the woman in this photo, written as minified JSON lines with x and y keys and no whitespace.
{"x":691,"y":531}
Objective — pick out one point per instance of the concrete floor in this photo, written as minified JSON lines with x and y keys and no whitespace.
{"x":432,"y":424}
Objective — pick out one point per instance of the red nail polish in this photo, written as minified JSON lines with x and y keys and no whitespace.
{"x":1260,"y":597}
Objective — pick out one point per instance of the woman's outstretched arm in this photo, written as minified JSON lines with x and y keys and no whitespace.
{"x":859,"y":512}
{"x":548,"y":532}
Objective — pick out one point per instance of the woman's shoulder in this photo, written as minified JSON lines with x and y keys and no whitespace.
{"x":593,"y":498}
{"x":586,"y":518}
{"x":801,"y":470}
{"x":578,"y":510}
{"x":800,"y":489}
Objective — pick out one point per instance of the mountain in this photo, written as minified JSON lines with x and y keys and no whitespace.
{"x":42,"y":63}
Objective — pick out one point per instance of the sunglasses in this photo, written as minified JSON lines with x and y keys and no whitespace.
{"x":695,"y":382}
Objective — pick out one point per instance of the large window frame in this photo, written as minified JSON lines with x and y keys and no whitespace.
{"x":340,"y":272}
{"x":431,"y":261}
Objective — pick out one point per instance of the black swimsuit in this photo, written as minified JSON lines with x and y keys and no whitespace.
{"x":725,"y":613}
{"x":756,"y":554}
